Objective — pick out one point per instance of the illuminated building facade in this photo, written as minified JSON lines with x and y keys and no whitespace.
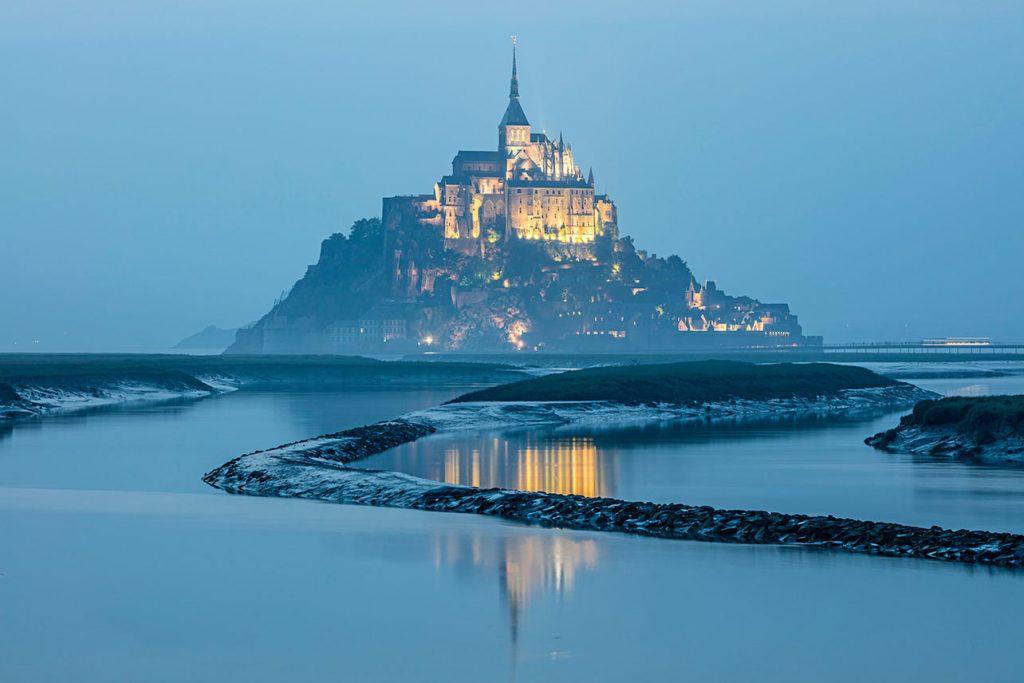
{"x":530,"y":188}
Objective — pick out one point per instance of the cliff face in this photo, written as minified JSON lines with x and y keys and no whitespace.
{"x":344,"y":284}
{"x":400,"y":290}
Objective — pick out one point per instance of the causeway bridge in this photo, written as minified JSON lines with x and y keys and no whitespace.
{"x":933,"y":346}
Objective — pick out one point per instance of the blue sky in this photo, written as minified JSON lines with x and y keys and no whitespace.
{"x":167,"y":165}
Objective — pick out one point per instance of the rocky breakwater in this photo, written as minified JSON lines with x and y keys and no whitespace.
{"x":319,"y":469}
{"x":322,"y":469}
{"x":987,"y":429}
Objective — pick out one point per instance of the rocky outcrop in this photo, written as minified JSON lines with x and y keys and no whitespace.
{"x":505,"y":295}
{"x":988,"y":429}
{"x":210,"y":337}
{"x":949,"y":442}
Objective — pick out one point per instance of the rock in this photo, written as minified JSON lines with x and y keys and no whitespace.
{"x":318,"y":469}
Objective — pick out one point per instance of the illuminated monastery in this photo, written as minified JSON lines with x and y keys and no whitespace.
{"x":513,"y":250}
{"x":529,"y":188}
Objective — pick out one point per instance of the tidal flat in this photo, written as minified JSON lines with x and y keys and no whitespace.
{"x":119,"y":563}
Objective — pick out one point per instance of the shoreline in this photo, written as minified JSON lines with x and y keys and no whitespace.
{"x":318,"y":469}
{"x":948,"y":443}
{"x":50,"y":384}
{"x":985,"y":429}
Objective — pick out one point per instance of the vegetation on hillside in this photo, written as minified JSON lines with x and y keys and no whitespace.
{"x":686,"y":383}
{"x":348,"y":278}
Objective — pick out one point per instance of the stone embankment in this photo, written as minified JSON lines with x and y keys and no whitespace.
{"x":319,"y":469}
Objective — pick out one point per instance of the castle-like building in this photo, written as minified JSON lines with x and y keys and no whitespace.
{"x":530,"y":188}
{"x":513,"y":250}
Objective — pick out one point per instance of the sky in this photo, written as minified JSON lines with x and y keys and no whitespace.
{"x":169,"y":165}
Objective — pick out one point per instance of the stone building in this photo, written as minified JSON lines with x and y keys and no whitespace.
{"x":529,"y":188}
{"x":512,"y":250}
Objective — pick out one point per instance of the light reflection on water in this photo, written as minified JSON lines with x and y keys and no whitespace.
{"x":112,"y":547}
{"x":527,"y":567}
{"x":798,"y":464}
{"x":570,"y":465}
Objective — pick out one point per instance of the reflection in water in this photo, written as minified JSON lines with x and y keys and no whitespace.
{"x":800,"y":464}
{"x":588,"y":460}
{"x":528,"y":566}
{"x":168,"y":408}
{"x":568,"y":465}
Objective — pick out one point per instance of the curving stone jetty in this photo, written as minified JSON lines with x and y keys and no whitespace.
{"x":320,"y":469}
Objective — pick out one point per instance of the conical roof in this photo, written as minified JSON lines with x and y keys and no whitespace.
{"x":514,"y":114}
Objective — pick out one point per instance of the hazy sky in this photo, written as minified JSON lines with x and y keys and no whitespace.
{"x":167,"y":165}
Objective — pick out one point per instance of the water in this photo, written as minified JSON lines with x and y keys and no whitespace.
{"x":810,"y":466}
{"x":117,"y":563}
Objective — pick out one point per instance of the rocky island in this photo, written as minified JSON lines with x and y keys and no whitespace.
{"x":515,"y":249}
{"x":986,"y":429}
{"x":322,"y":468}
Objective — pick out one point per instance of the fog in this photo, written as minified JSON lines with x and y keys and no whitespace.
{"x":169,"y":165}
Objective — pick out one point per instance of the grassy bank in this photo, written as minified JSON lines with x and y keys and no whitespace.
{"x":46,"y":369}
{"x":693,"y":382}
{"x":980,"y":417}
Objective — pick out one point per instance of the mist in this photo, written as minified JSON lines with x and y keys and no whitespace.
{"x":165,"y":166}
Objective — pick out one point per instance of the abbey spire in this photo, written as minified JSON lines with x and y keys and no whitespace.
{"x":513,"y":89}
{"x":514,"y":129}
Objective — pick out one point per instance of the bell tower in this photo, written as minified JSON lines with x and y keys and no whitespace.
{"x":514,"y":129}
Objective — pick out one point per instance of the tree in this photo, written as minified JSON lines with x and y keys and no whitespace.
{"x":366,"y":230}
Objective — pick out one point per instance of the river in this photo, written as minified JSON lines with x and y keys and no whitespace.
{"x":118,"y":563}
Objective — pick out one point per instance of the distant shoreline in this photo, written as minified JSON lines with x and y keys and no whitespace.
{"x":766,"y":356}
{"x":32,"y":385}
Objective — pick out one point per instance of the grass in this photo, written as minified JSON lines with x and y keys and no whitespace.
{"x":981,"y":417}
{"x":686,"y":383}
{"x":66,"y":367}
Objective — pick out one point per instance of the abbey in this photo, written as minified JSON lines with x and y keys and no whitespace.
{"x":529,"y":188}
{"x":513,"y":250}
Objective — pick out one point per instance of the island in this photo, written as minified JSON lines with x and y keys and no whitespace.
{"x":691,"y":383}
{"x":210,"y":338}
{"x":988,"y":429}
{"x":516,"y":249}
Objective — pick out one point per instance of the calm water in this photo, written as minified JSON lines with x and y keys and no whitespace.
{"x":117,"y":563}
{"x":813,"y":466}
